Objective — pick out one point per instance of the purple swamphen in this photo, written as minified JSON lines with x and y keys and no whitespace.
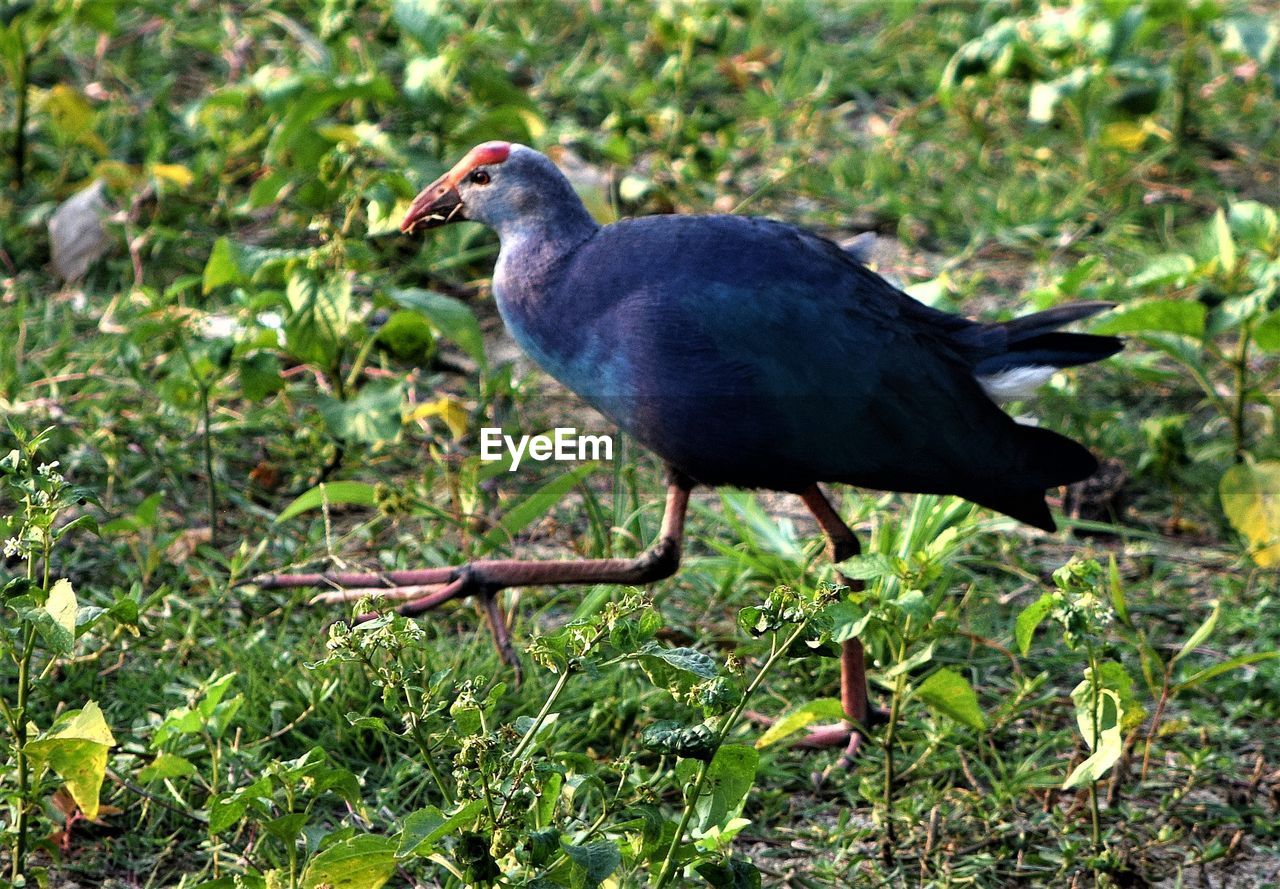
{"x":745,"y":352}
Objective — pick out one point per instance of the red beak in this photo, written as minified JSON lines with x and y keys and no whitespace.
{"x":437,"y":204}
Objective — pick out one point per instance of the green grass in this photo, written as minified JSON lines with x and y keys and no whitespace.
{"x":825,"y":114}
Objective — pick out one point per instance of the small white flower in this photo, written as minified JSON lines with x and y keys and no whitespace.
{"x":12,"y":547}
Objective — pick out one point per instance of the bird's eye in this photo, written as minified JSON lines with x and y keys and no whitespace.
{"x":479,"y":177}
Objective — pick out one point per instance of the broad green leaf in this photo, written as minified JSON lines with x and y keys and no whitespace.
{"x":1267,"y":333}
{"x":233,"y":263}
{"x":1202,"y":633}
{"x":166,"y":765}
{"x":61,"y":606}
{"x":286,"y":828}
{"x":596,"y":861}
{"x":532,"y":507}
{"x":1168,"y":270}
{"x":1183,"y":317}
{"x":373,"y":416}
{"x":800,"y":718}
{"x":333,"y":493}
{"x":1029,"y":618}
{"x":427,"y":826}
{"x":360,"y":862}
{"x":76,"y":748}
{"x":947,"y":692}
{"x":319,"y":318}
{"x":685,"y":660}
{"x":260,"y":375}
{"x":1110,"y":741}
{"x":452,"y":317}
{"x":729,"y":778}
{"x":1254,"y":223}
{"x":1250,"y":495}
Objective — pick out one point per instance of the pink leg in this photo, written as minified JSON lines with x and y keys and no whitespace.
{"x":842,"y":544}
{"x":425,"y":589}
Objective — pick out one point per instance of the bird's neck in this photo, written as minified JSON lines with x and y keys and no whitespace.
{"x":534,"y":247}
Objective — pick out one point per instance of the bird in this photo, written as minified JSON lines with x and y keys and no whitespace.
{"x":750,"y":353}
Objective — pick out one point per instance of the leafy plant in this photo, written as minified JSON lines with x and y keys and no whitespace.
{"x":44,"y":621}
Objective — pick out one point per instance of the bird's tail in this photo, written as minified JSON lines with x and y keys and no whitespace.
{"x":1023,"y":353}
{"x":1047,"y":460}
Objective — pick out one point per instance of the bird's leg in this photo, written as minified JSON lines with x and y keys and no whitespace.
{"x":422,"y":590}
{"x":842,"y":544}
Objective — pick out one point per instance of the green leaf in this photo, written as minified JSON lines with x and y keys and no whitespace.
{"x":1225,"y":243}
{"x":947,"y":692}
{"x":260,"y":375}
{"x":1115,"y":586}
{"x":320,"y":316}
{"x":532,"y":507}
{"x":1168,"y":270}
{"x":1202,"y":633}
{"x":685,"y":660}
{"x":729,"y":778}
{"x":1112,"y":676}
{"x":1225,"y":667}
{"x":1024,"y":628}
{"x":62,"y":606}
{"x":333,"y":493}
{"x":238,"y":264}
{"x":427,"y":21}
{"x":906,"y":665}
{"x":1183,"y":317}
{"x":1110,"y":741}
{"x":426,"y":827}
{"x":360,"y":862}
{"x":451,"y":317}
{"x":407,"y":336}
{"x":372,"y":417}
{"x":166,"y":765}
{"x":800,"y":718}
{"x":76,"y":748}
{"x":1267,"y":333}
{"x":1250,"y":495}
{"x":595,"y":861}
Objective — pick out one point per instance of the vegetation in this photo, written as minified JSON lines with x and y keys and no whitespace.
{"x":223,"y":360}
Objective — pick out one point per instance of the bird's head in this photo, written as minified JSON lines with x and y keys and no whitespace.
{"x":502,"y":184}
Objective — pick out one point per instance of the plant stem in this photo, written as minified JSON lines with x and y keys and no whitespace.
{"x":207,"y":441}
{"x":1182,"y":112}
{"x":1094,"y":692}
{"x":890,"y":842}
{"x":24,"y":778}
{"x":1241,"y":365}
{"x":20,"y":124}
{"x":669,"y":862}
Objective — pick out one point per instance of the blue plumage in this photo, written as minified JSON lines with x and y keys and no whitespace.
{"x":752,"y":353}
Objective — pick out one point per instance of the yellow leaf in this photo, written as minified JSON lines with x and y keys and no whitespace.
{"x":176,"y":173}
{"x":61,"y":605}
{"x":1124,"y":134}
{"x":72,"y":117}
{"x":1251,"y":500}
{"x":451,"y":411}
{"x":77,"y":749}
